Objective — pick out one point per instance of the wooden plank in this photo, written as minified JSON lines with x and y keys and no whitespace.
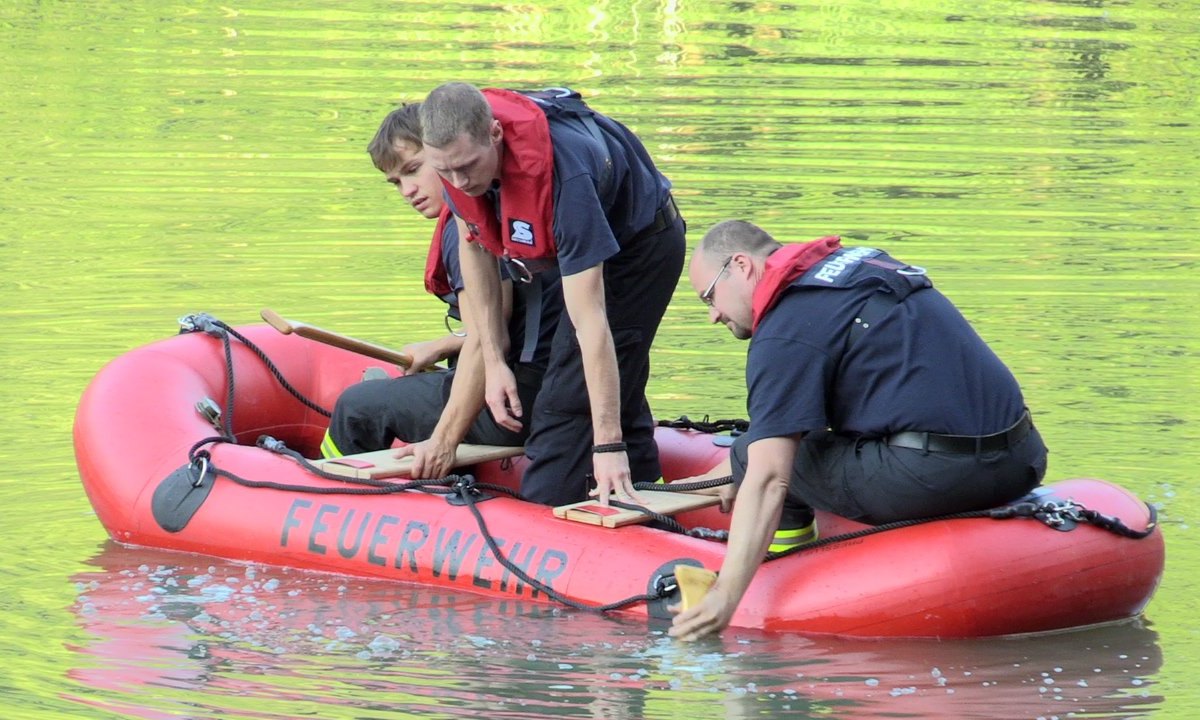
{"x":663,"y":503}
{"x":381,"y":463}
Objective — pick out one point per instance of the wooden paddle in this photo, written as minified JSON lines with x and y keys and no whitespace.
{"x":287,"y":327}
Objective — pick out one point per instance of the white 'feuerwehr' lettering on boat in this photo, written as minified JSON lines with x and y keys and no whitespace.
{"x":837,"y":264}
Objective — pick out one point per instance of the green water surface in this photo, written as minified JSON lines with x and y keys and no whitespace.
{"x":1039,"y":157}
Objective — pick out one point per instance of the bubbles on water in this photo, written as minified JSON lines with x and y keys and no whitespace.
{"x":384,"y":645}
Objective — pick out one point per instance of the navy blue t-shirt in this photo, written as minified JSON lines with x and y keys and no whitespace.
{"x":450,"y":262}
{"x":920,"y":367}
{"x":593,"y":219}
{"x":549,"y":297}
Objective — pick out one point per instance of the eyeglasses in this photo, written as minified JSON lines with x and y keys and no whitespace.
{"x":706,"y":297}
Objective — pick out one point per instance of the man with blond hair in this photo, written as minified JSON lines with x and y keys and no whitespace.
{"x":373,"y":414}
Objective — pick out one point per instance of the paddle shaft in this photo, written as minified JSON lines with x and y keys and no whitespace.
{"x":379,"y":352}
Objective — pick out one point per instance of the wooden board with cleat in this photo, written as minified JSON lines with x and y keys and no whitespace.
{"x":663,"y":503}
{"x":383,"y":463}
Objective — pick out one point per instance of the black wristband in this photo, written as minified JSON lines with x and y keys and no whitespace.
{"x":609,"y":447}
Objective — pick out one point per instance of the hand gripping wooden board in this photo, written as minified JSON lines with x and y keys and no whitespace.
{"x":383,"y":463}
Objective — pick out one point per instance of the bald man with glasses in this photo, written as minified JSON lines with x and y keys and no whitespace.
{"x":869,"y":394}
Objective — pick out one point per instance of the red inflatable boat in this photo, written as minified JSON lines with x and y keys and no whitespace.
{"x":1064,"y":564}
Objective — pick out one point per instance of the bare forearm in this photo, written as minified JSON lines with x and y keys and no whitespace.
{"x":603,"y":383}
{"x":483,"y":304}
{"x":583,"y":294}
{"x":466,"y":395}
{"x":756,"y":512}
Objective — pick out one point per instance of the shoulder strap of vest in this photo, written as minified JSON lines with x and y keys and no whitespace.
{"x":571,"y":101}
{"x":899,"y":282}
{"x":533,"y":317}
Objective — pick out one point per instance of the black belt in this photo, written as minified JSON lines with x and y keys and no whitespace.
{"x":963,"y":444}
{"x":663,"y":219}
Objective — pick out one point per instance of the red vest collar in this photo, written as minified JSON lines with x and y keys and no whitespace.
{"x":785,"y":265}
{"x":525,"y":226}
{"x":437,"y":279}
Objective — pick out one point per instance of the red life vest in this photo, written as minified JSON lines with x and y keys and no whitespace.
{"x":437,"y":279}
{"x":785,"y":265}
{"x":525,"y":226}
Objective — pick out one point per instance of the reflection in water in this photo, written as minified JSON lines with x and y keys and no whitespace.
{"x":263,"y":641}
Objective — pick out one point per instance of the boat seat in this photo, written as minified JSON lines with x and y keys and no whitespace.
{"x":382,"y":463}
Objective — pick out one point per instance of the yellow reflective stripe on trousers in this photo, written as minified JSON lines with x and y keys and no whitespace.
{"x":329,"y":449}
{"x":791,"y":537}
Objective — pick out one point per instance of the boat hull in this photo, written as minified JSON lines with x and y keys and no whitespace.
{"x":952,"y":578}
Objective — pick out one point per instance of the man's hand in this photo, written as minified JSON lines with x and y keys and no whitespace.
{"x":710,"y":616}
{"x":423,"y":355}
{"x":432,"y":458}
{"x":764,"y":488}
{"x":611,"y":470}
{"x":725,"y":492}
{"x":502,"y":398}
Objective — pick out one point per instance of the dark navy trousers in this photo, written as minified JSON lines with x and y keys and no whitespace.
{"x":638,"y":285}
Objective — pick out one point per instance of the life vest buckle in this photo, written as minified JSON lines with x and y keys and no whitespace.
{"x":522,"y":273}
{"x":452,"y":331}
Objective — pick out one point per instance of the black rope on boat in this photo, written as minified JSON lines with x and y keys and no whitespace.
{"x":684,"y":487}
{"x":203,"y":322}
{"x":430,"y":485}
{"x":227,"y":416}
{"x":683,"y":422}
{"x":1115,"y":525}
{"x":467,"y":488}
{"x":1054,"y":514}
{"x":668,"y":523}
{"x":873,"y":530}
{"x":1066,"y":514}
{"x":463,"y":486}
{"x":374,"y":487}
